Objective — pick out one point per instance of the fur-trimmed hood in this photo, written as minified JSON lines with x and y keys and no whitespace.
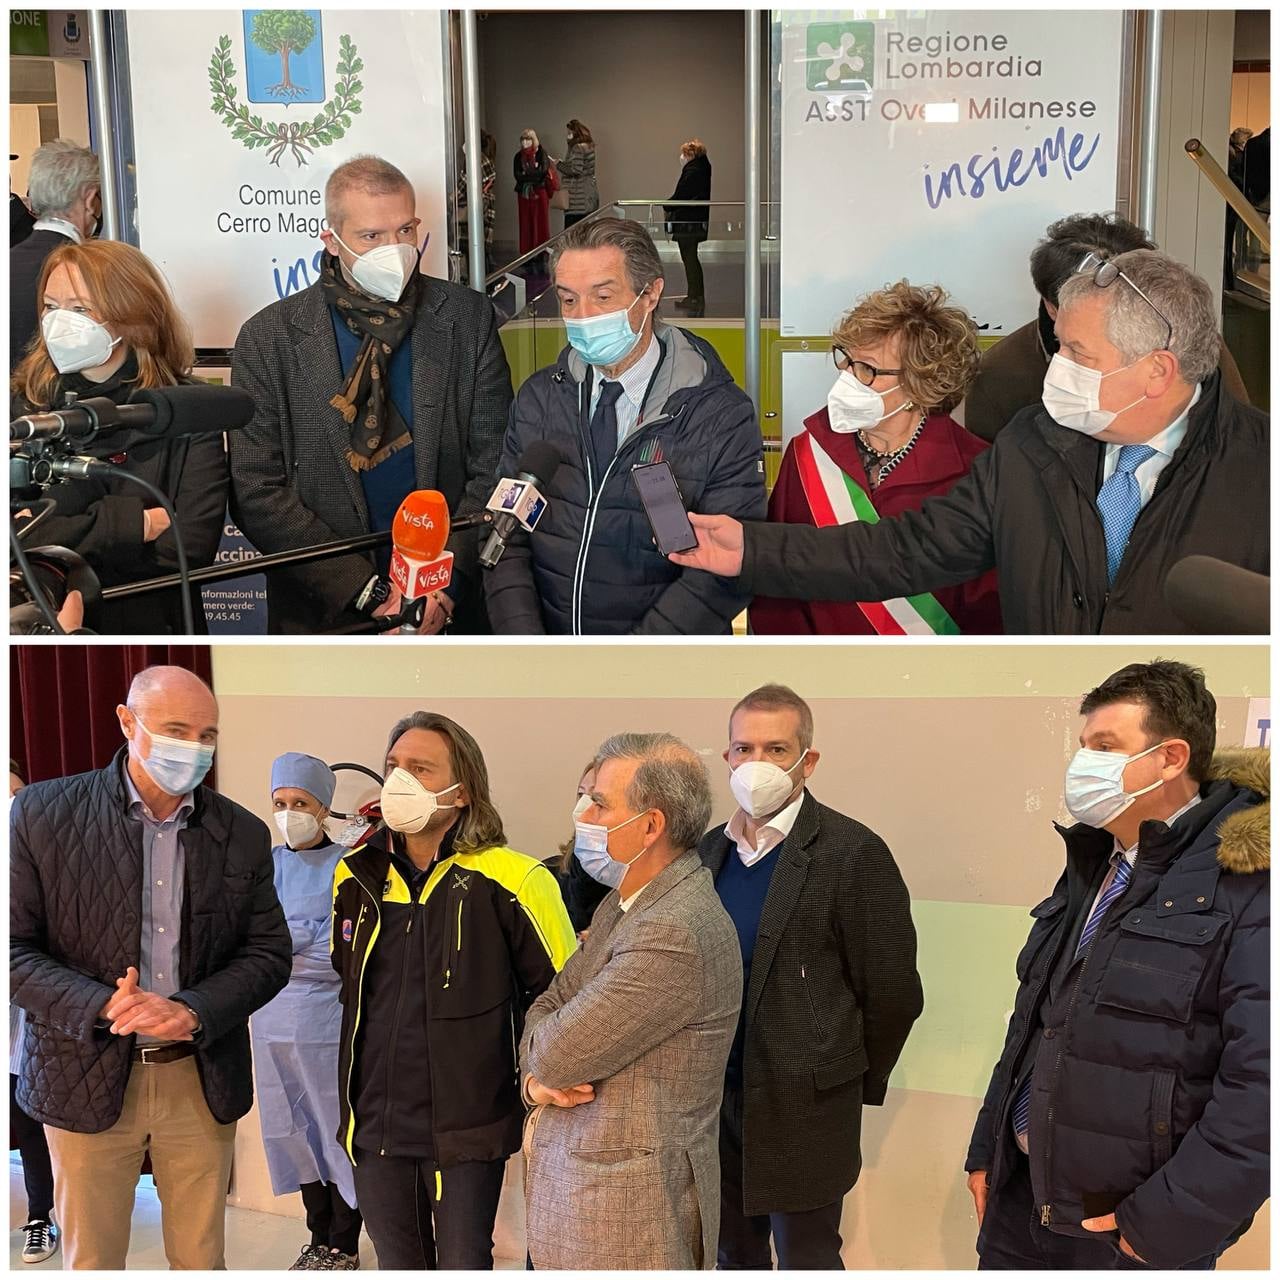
{"x":1244,"y":839}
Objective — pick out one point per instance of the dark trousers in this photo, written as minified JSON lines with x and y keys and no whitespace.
{"x":420,"y":1223}
{"x":37,"y":1171}
{"x":330,"y":1219}
{"x":1012,"y":1239}
{"x":808,"y":1241}
{"x":694,"y":287}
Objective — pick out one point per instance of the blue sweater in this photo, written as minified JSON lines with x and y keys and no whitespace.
{"x":742,"y":891}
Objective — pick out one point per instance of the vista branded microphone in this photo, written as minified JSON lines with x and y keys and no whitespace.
{"x":1213,"y":597}
{"x":419,"y":562}
{"x":517,"y":502}
{"x":198,"y":409}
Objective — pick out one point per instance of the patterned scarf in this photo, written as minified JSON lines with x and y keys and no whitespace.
{"x":377,"y":429}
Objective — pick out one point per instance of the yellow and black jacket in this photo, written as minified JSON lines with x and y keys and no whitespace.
{"x":442,"y":977}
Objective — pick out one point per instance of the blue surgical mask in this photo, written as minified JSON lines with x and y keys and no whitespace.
{"x":591,"y":847}
{"x":175,"y":765}
{"x":604,"y":340}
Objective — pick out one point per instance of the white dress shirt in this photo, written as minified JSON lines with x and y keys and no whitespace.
{"x":768,"y":836}
{"x":1165,"y":445}
{"x":61,"y":226}
{"x":1130,"y":855}
{"x":635,"y":382}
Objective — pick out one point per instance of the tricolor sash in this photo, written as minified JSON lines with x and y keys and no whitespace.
{"x":836,"y":498}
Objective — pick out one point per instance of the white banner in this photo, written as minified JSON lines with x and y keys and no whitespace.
{"x":239,"y":117}
{"x":936,"y":146}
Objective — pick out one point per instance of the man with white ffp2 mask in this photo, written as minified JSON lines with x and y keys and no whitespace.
{"x":375,"y":381}
{"x":830,"y":988}
{"x":1136,"y":459}
{"x":1126,"y":1120}
{"x":443,"y":937}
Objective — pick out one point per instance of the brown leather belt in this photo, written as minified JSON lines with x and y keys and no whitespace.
{"x":157,"y":1055}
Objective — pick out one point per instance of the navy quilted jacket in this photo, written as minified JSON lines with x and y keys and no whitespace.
{"x":590,"y":566}
{"x":1151,"y":1096}
{"x":75,"y":922}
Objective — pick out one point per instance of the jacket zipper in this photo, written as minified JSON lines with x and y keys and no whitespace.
{"x":395,"y":1025}
{"x":453,"y":946}
{"x":355,"y":1026}
{"x":1046,"y":1211}
{"x":588,"y":525}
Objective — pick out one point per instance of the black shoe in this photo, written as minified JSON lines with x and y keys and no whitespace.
{"x":41,"y":1242}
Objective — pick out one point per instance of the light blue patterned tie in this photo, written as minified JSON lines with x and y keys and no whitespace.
{"x":1118,"y":884}
{"x":1119,"y":501}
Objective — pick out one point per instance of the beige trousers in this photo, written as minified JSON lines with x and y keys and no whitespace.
{"x":95,"y":1174}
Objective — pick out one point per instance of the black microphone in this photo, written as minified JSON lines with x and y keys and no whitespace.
{"x":1213,"y":597}
{"x":516,"y":502}
{"x":187,"y":410}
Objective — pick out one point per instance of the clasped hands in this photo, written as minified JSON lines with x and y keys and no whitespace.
{"x":574,"y":1096}
{"x":132,"y":1011}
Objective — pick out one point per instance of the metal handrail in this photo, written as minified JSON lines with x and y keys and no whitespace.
{"x":539,"y":250}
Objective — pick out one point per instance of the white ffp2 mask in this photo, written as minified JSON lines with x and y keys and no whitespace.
{"x":407,"y":805}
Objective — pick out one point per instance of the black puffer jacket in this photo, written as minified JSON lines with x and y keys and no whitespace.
{"x":1028,"y":508}
{"x":75,"y":921}
{"x":1151,"y":1094}
{"x":590,"y":566}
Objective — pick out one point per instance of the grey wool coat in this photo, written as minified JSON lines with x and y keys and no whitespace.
{"x":645,"y":1011}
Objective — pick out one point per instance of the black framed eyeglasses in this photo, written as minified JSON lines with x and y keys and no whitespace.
{"x":1105,"y":273}
{"x":864,"y":372}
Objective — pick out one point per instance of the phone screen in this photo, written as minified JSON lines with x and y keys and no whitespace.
{"x":664,"y":507}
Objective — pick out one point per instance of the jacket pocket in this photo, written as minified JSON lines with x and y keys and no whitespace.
{"x":1162,"y":1083}
{"x":827,"y":1075}
{"x":1046,"y":916}
{"x":813,"y":1009}
{"x":1157,"y":963}
{"x":613,"y":1155}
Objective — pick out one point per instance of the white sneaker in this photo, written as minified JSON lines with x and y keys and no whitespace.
{"x":42,"y":1240}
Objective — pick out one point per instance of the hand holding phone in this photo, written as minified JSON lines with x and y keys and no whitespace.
{"x":664,"y":506}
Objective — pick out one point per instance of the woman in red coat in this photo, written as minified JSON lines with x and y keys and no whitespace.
{"x":533,"y":193}
{"x":883,"y":444}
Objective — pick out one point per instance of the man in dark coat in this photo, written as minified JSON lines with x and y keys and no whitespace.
{"x":1135,"y":459}
{"x":21,"y":219}
{"x":127,"y":883}
{"x":830,"y":991}
{"x":1012,"y":371}
{"x":1127,"y":1119}
{"x":347,"y":426}
{"x":65,"y":198}
{"x":619,"y":397}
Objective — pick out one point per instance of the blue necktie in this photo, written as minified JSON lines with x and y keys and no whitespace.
{"x":1119,"y":883}
{"x":1119,"y":501}
{"x":604,"y":427}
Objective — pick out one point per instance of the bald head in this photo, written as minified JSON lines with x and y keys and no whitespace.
{"x":173,"y":702}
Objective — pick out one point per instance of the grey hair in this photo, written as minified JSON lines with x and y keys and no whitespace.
{"x":1135,"y":330}
{"x":638,"y":252}
{"x":670,"y":778}
{"x":60,"y":171}
{"x":372,"y":174}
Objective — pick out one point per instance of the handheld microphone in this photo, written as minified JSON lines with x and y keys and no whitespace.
{"x":188,"y":410}
{"x":419,"y":562}
{"x":1213,"y":597}
{"x":517,"y":502}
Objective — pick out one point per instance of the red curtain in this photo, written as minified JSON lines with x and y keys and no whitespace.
{"x":63,"y":699}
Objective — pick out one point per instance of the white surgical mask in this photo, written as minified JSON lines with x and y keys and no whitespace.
{"x":854,"y":407}
{"x":296,"y":827}
{"x":1071,"y":393}
{"x":1094,"y":789}
{"x":760,"y":787}
{"x":591,"y":847}
{"x":407,"y":805}
{"x":75,"y":341}
{"x":383,"y":272}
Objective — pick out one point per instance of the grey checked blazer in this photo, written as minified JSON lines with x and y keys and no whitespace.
{"x":645,"y":1011}
{"x":291,"y":485}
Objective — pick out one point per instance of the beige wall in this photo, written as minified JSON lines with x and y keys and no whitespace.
{"x":954,"y":754}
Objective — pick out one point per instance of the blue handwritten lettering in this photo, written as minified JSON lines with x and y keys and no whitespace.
{"x":983,"y":172}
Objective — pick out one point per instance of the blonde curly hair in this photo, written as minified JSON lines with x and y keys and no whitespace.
{"x":938,"y":342}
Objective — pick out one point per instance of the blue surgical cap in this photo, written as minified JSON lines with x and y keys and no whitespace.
{"x":293,"y":769}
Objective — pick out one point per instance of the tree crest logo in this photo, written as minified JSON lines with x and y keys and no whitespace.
{"x":273,"y":37}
